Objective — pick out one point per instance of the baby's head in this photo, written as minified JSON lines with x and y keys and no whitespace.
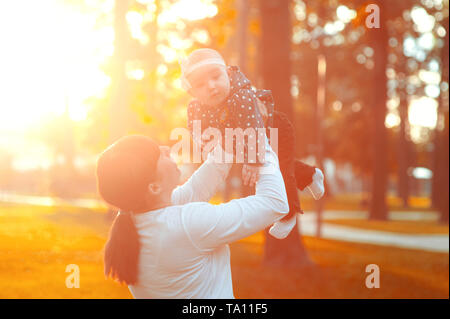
{"x":205,"y":77}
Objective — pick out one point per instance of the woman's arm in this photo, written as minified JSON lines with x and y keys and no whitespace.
{"x":209,"y":226}
{"x":203,"y":183}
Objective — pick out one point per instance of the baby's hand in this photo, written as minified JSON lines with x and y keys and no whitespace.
{"x":250,"y":174}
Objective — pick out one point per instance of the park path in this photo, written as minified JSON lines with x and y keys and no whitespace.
{"x":307,"y":224}
{"x":427,"y":242}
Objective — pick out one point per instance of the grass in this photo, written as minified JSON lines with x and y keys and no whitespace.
{"x":37,"y":243}
{"x":339,"y":272}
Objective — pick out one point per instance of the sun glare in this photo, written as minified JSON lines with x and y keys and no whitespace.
{"x":50,"y":62}
{"x":423,"y":112}
{"x":52,"y":52}
{"x":392,"y":120}
{"x":189,"y":10}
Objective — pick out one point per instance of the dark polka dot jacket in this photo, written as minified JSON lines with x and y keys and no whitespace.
{"x":238,"y":111}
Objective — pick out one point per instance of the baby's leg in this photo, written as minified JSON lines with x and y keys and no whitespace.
{"x":303,"y":174}
{"x":310,"y":177}
{"x":282,"y":228}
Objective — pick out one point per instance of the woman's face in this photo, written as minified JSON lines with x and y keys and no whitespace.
{"x":168,"y":171}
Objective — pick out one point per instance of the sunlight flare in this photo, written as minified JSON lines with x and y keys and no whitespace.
{"x":52,"y":66}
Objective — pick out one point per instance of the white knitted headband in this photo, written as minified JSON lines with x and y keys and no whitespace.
{"x":187,"y":69}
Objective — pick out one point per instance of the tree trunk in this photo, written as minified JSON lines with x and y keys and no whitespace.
{"x":403,"y":152}
{"x":444,"y":185}
{"x":153,"y":59}
{"x":276,"y":73}
{"x":288,"y":252}
{"x":242,"y":36}
{"x":242,"y":44}
{"x":275,"y":52}
{"x":119,"y":83}
{"x":379,"y":40}
{"x":441,"y":172}
{"x":319,"y":118}
{"x":435,"y":182}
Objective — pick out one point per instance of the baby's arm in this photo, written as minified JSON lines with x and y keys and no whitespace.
{"x":247,"y":115}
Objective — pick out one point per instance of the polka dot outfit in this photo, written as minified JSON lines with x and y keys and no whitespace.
{"x":239,"y":110}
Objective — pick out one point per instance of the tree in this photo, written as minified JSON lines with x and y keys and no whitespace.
{"x":275,"y":52}
{"x":276,"y":73}
{"x":441,"y":150}
{"x":403,"y":154}
{"x":346,"y":99}
{"x":378,"y":38}
{"x":119,"y":83}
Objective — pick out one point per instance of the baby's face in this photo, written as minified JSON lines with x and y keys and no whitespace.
{"x":210,"y":84}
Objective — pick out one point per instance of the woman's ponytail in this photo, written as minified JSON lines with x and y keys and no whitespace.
{"x":122,"y":250}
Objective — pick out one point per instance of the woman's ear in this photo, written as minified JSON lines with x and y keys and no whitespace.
{"x":154,"y":188}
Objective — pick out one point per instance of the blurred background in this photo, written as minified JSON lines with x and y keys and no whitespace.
{"x":370,"y":107}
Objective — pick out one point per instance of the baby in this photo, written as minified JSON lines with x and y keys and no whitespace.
{"x":224,"y":98}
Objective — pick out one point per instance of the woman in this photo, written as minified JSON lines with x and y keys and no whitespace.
{"x":168,"y":241}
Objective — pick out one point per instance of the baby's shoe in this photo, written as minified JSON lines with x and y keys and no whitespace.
{"x":317,"y":188}
{"x":281,"y":228}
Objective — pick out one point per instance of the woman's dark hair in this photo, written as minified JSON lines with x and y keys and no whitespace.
{"x":124,"y":171}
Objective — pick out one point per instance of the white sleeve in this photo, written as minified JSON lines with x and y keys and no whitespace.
{"x":203,"y":183}
{"x":209,"y":226}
